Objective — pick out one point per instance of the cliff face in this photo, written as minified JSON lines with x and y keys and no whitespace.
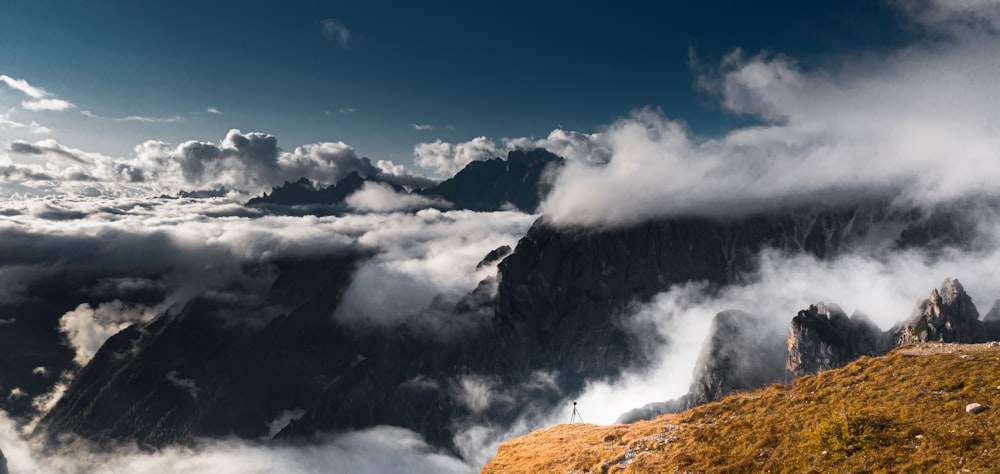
{"x":564,"y":296}
{"x":823,"y":337}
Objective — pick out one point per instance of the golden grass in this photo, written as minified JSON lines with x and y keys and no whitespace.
{"x":898,"y":413}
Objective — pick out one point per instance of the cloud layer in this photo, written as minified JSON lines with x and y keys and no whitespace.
{"x":246,"y":162}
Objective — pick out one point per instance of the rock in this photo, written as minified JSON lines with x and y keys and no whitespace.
{"x":947,"y":315}
{"x":975,"y":408}
{"x":494,"y":256}
{"x":822,"y":337}
{"x":3,"y":464}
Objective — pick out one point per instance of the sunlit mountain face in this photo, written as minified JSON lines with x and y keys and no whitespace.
{"x":387,"y":238}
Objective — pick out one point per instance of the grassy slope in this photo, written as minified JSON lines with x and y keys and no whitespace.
{"x":898,"y":413}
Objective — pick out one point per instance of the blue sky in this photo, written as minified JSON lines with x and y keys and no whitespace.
{"x":384,"y":76}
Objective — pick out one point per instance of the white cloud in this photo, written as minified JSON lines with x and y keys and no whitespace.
{"x":446,"y":159}
{"x":86,"y":327}
{"x":34,"y":127}
{"x":422,"y":127}
{"x":380,"y":197}
{"x":955,"y":16}
{"x":921,"y":121}
{"x":427,"y":262}
{"x":143,"y":119}
{"x":334,"y":30}
{"x":47,"y":104}
{"x":213,"y":110}
{"x":23,"y":86}
{"x":370,"y":451}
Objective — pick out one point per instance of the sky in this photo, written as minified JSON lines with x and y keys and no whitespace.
{"x":713,"y":108}
{"x":386,"y":76}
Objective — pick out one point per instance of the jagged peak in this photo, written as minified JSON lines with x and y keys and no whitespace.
{"x":952,"y":290}
{"x":947,"y":315}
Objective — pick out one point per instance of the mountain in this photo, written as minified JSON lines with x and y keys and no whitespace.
{"x":565,"y":296}
{"x":519,"y":181}
{"x":910,"y":411}
{"x":559,"y":318}
{"x":304,"y":191}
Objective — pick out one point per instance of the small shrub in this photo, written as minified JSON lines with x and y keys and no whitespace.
{"x":853,"y":430}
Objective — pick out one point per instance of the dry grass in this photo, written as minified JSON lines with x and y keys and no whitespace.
{"x":899,"y":413}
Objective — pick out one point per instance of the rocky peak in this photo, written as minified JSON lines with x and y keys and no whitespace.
{"x":494,"y":256}
{"x":947,"y":315}
{"x":823,"y":337}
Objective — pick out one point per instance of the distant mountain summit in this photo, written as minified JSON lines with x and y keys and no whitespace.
{"x":304,"y":191}
{"x":519,"y":182}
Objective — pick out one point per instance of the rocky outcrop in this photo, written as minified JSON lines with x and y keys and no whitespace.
{"x":823,"y":337}
{"x":947,"y":315}
{"x":494,"y":256}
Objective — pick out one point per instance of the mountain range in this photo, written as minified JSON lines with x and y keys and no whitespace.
{"x":557,"y":315}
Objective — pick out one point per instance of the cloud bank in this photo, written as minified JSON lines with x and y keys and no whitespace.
{"x":374,"y":450}
{"x":246,"y":162}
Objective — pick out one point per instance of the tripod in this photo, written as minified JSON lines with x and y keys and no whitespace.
{"x":576,"y":416}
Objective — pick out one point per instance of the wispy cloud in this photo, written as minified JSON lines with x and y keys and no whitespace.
{"x":334,"y":30}
{"x":213,"y":110}
{"x":47,"y":104}
{"x":23,"y":86}
{"x":7,"y":122}
{"x":140,"y":118}
{"x":135,"y":118}
{"x":44,"y":100}
{"x":348,"y":110}
{"x":423,"y":127}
